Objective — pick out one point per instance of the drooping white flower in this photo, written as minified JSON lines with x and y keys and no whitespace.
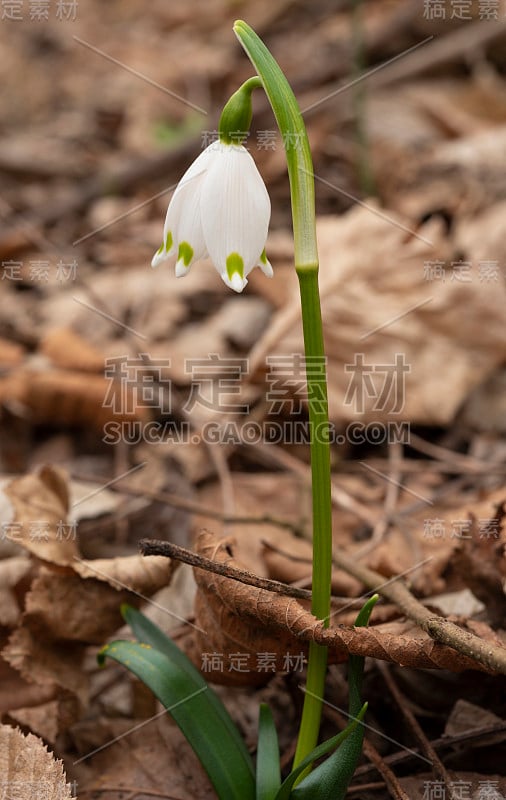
{"x":219,"y":209}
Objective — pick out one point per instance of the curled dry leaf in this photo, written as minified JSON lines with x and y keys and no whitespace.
{"x":71,"y":601}
{"x":244,"y":619}
{"x":134,"y":573}
{"x":29,"y":771}
{"x":40,"y":504}
{"x":63,"y":604}
{"x":66,"y":607}
{"x":37,"y":522}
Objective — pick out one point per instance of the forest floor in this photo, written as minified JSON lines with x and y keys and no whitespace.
{"x":135,"y":405}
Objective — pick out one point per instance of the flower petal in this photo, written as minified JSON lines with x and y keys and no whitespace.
{"x":182,"y":221}
{"x":234,"y":280}
{"x":235,"y":211}
{"x":265,"y":265}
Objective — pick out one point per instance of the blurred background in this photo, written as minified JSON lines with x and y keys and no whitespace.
{"x":104,"y":106}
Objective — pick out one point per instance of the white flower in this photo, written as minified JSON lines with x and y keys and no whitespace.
{"x":220,"y":209}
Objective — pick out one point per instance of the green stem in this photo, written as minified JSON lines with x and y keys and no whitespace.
{"x":300,"y":172}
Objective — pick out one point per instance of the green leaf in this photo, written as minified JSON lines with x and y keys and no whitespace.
{"x":188,"y":702}
{"x":329,"y":781}
{"x":321,"y":750}
{"x":149,"y":633}
{"x":268,"y":766}
{"x":365,"y":612}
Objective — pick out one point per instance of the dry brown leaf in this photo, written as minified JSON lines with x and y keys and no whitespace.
{"x":153,"y":305}
{"x":377,"y":303}
{"x":51,"y":665}
{"x":240,"y":618}
{"x":285,"y":569}
{"x":152,"y":757}
{"x":43,"y":720}
{"x":68,"y":350}
{"x":479,"y":561}
{"x":466,"y":716}
{"x":66,"y":607}
{"x":12,"y":571}
{"x":66,"y":397}
{"x":15,"y":692}
{"x":282,"y":495}
{"x":28,"y":770}
{"x":40,"y":505}
{"x":41,"y":499}
{"x":474,"y":784}
{"x":141,"y":574}
{"x":71,"y":601}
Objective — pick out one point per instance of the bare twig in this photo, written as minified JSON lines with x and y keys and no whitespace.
{"x":176,"y":501}
{"x":395,"y":789}
{"x":391,"y":497}
{"x":421,"y":466}
{"x":481,"y":737}
{"x":425,"y":745}
{"x":437,"y":627}
{"x":154,"y":547}
{"x":365,"y":787}
{"x":465,"y":463}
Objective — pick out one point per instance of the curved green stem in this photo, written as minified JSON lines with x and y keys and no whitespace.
{"x":300,"y":172}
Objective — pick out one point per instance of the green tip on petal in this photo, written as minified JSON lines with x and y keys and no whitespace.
{"x":181,"y":270}
{"x":235,"y":264}
{"x":237,"y":283}
{"x":158,"y":257}
{"x":265,"y":265}
{"x":185,"y":253}
{"x":163,"y":251}
{"x":235,"y":273}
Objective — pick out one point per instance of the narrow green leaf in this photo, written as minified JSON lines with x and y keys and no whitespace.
{"x":356,"y":664}
{"x":149,"y":633}
{"x":190,"y":706}
{"x":285,"y":791}
{"x":268,"y":766}
{"x":365,"y":612}
{"x":329,"y":781}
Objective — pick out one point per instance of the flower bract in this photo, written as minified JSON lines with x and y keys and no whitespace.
{"x":221,"y":210}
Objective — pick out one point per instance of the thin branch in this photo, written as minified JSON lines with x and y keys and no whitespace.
{"x":155,"y":547}
{"x":426,"y":748}
{"x":175,"y":501}
{"x":437,"y":627}
{"x":477,"y":737}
